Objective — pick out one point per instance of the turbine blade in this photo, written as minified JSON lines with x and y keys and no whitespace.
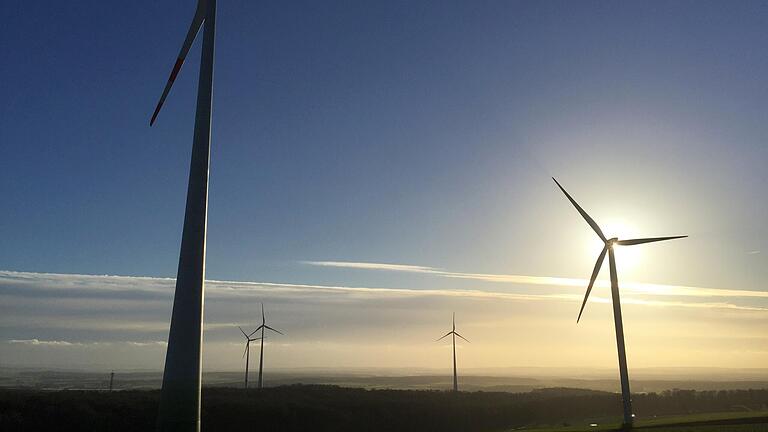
{"x":242,"y":331}
{"x":646,"y":240}
{"x":246,"y":349}
{"x":446,"y":335}
{"x":461,"y":336}
{"x":454,"y":321}
{"x":584,"y":214}
{"x":263,"y":317}
{"x":253,"y":333}
{"x":197,"y":22}
{"x":276,"y":331}
{"x":598,"y":266}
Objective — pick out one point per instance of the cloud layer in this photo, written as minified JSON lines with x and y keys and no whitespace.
{"x":66,"y":320}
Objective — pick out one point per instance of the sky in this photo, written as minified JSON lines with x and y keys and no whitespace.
{"x":377,"y":166}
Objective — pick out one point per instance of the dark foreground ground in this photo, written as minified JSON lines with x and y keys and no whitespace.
{"x":319,"y":408}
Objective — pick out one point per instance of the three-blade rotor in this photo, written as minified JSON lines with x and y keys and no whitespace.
{"x":453,"y":331}
{"x":248,"y":339}
{"x":450,"y":333}
{"x":269,"y":328}
{"x":248,"y":335}
{"x":609,"y":243}
{"x":264,"y":323}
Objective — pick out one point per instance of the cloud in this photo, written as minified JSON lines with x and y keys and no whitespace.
{"x":44,"y":343}
{"x":147,"y":344}
{"x":138,"y":308}
{"x":636,"y":287}
{"x":58,"y":290}
{"x":64,"y":343}
{"x":374,"y":266}
{"x":122,"y":320}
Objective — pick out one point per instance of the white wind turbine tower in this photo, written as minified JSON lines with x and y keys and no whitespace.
{"x":608,"y":248}
{"x":179,"y":408}
{"x":247,"y":352}
{"x":453,"y":335}
{"x":263,"y":327}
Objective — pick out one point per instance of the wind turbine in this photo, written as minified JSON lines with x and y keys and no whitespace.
{"x":263,"y":327}
{"x":247,"y":352}
{"x":608,"y":248}
{"x":179,"y":408}
{"x":453,"y":335}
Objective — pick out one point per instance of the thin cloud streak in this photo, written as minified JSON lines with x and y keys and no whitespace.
{"x":64,"y":343}
{"x":636,"y":287}
{"x":374,"y":266}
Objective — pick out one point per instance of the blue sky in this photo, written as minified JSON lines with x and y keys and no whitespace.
{"x":414,"y":133}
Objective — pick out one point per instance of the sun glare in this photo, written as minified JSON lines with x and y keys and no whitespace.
{"x":627,"y":257}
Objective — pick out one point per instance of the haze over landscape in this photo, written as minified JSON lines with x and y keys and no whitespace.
{"x":366,"y":187}
{"x":121,"y":322}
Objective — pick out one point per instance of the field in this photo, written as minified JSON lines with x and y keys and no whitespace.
{"x":705,"y":422}
{"x":330,"y":408}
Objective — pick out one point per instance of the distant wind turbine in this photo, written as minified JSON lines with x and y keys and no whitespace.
{"x":608,"y":248}
{"x":179,"y":408}
{"x":247,"y":352}
{"x":263,"y":327}
{"x":453,"y":335}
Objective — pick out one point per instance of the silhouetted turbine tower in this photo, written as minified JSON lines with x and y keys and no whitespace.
{"x":609,"y":245}
{"x":263,"y":327}
{"x":453,"y":335}
{"x":247,"y":352}
{"x":180,"y":397}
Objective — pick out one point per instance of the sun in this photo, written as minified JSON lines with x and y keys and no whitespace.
{"x":627,"y":257}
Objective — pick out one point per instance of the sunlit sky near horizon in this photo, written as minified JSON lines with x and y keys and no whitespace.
{"x":378,"y":165}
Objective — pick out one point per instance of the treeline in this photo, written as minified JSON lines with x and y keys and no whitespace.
{"x":329,"y":408}
{"x":690,"y":401}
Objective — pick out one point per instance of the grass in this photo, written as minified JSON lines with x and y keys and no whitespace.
{"x":716,"y":428}
{"x":756,"y":421}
